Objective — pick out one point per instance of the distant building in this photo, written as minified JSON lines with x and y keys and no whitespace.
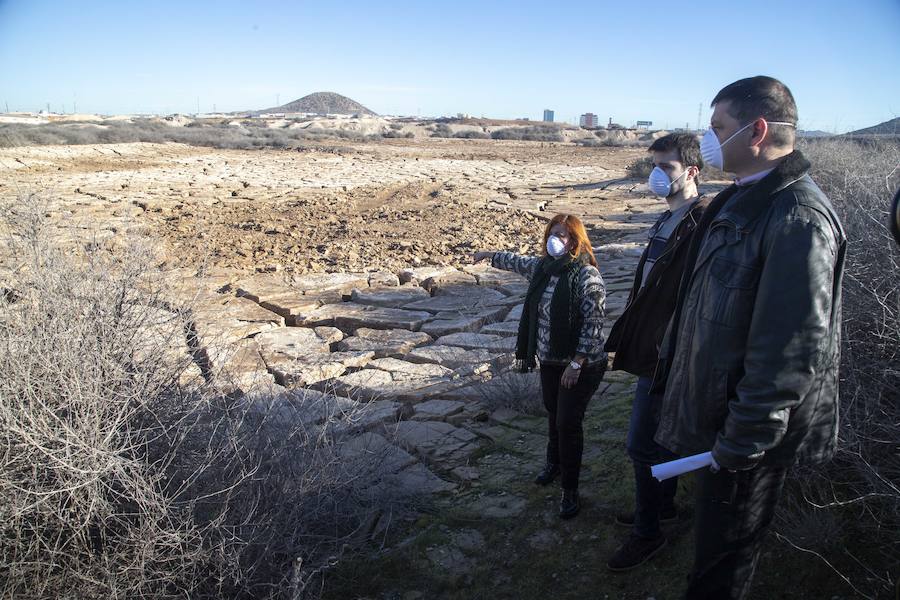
{"x":548,"y":115}
{"x":589,"y":120}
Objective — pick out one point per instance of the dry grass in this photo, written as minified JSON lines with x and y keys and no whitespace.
{"x":849,"y":510}
{"x":508,"y":388}
{"x":530,"y":133}
{"x":124,"y":476}
{"x":247,"y":135}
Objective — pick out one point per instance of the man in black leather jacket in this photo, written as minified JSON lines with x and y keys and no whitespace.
{"x":750,"y":359}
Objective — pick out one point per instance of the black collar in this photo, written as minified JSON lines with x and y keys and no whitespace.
{"x":753,"y":200}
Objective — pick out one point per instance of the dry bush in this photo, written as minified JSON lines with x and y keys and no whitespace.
{"x":850,"y":510}
{"x":640,"y":168}
{"x":508,"y":388}
{"x":471,"y":134}
{"x":122,"y":478}
{"x":530,"y":133}
{"x":249,"y":135}
{"x":441,"y":130}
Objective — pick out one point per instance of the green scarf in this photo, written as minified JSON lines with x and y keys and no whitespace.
{"x":564,"y":314}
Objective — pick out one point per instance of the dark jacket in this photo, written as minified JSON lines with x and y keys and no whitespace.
{"x":753,"y":370}
{"x":637,"y":334}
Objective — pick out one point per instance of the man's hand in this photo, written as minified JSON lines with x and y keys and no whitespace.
{"x":480,"y":256}
{"x":570,"y":378}
{"x":715,"y":467}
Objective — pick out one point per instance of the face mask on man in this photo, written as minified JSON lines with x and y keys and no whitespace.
{"x":711,"y":149}
{"x":659,"y":182}
{"x":555,"y":246}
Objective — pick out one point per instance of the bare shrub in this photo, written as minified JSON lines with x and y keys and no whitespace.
{"x":530,"y":133}
{"x":640,"y":168}
{"x":590,"y":142}
{"x":122,"y":478}
{"x":392,"y":133}
{"x":251,"y":134}
{"x":441,"y":130}
{"x":471,"y":134}
{"x":857,"y":496}
{"x":508,"y":388}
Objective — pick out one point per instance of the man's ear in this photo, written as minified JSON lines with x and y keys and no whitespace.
{"x":760,"y":130}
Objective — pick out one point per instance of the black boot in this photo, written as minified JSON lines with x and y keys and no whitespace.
{"x":568,"y":506}
{"x":547,"y":475}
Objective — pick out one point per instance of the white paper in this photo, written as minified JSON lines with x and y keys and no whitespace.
{"x":673,"y":468}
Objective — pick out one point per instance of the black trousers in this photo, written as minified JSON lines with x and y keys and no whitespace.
{"x":734,"y":511}
{"x":565,"y":410}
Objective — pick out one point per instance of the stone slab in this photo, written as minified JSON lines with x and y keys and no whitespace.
{"x":436,"y":440}
{"x":452,"y":357}
{"x":505,"y":328}
{"x":469,"y":341}
{"x":329,"y":281}
{"x":401,"y":369}
{"x":377,"y":384}
{"x":313,"y":368}
{"x":394,"y":343}
{"x":391,"y":297}
{"x":515,"y":314}
{"x":298,"y":341}
{"x":437,"y":410}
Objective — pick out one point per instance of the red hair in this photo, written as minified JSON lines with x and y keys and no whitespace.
{"x":577,"y":234}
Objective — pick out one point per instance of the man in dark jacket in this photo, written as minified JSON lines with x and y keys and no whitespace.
{"x":750,"y":359}
{"x":637,"y":334}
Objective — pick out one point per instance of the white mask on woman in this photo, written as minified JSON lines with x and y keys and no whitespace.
{"x":659,"y":182}
{"x":555,"y":246}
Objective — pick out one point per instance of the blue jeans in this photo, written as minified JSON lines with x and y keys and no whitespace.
{"x":651,"y":497}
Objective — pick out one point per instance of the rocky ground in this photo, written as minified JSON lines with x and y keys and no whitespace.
{"x":344,"y":274}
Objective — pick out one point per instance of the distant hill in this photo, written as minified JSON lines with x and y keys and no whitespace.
{"x":323,"y":103}
{"x":891,"y":127}
{"x":813,"y":133}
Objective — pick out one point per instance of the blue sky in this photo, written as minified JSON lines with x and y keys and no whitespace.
{"x":645,"y":60}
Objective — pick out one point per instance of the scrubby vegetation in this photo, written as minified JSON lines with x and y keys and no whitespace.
{"x":247,"y":134}
{"x":847,"y":512}
{"x":530,"y":133}
{"x":125,"y":475}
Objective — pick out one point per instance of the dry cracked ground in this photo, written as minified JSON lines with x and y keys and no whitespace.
{"x":344,"y":273}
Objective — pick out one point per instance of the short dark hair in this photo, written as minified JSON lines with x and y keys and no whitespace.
{"x":685,"y":143}
{"x":765,"y":97}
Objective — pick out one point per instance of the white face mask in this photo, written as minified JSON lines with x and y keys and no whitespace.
{"x":555,"y":246}
{"x":711,"y":149}
{"x":659,"y":182}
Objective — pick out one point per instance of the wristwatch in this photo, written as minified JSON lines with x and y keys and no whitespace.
{"x":575,"y":365}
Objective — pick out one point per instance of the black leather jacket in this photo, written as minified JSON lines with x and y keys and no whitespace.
{"x":753,"y":371}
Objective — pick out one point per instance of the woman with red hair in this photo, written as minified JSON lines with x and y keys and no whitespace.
{"x":562,"y":327}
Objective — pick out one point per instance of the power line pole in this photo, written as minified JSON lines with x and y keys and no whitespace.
{"x":699,"y":115}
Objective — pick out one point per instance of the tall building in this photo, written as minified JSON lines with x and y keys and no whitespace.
{"x":548,"y":115}
{"x":589,"y":120}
